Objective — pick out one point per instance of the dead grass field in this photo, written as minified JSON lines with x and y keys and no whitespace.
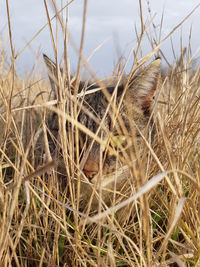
{"x":40,"y":220}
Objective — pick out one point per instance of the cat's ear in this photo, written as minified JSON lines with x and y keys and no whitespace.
{"x":52,"y":72}
{"x":145,"y":85}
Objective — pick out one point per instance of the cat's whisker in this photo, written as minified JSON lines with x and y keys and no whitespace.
{"x":116,"y":177}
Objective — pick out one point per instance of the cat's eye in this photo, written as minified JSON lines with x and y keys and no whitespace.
{"x":118,"y":140}
{"x":115,"y":142}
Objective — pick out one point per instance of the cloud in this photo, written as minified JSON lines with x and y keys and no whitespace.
{"x":113,"y":20}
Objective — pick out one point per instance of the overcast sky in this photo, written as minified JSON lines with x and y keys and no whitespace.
{"x":109,"y":21}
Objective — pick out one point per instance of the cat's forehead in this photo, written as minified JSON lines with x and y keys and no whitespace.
{"x":98,"y":96}
{"x":94,"y":92}
{"x":96,"y":103}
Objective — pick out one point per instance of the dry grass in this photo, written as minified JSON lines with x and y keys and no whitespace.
{"x":41,"y":224}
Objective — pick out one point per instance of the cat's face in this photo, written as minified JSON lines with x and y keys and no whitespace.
{"x":117,"y":117}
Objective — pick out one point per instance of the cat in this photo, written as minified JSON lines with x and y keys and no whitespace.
{"x":118,"y":115}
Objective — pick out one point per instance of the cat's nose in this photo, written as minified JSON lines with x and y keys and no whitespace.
{"x":91,"y":168}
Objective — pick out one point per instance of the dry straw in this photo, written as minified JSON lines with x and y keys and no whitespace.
{"x":154,"y":221}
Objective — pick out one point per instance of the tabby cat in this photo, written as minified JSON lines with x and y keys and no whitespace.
{"x":118,"y":115}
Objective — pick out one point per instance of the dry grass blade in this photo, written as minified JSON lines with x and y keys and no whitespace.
{"x":143,"y":190}
{"x":179,"y":210}
{"x":83,"y":181}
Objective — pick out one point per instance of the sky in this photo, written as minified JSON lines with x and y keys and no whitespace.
{"x":110,"y":23}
